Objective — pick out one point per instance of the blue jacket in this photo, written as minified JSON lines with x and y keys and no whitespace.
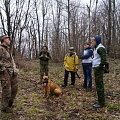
{"x":87,"y":57}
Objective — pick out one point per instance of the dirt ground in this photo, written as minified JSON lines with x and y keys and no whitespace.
{"x":74,"y":104}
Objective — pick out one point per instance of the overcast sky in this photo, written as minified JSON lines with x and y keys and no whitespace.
{"x":87,"y":2}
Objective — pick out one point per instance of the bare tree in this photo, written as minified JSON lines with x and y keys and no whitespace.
{"x":69,"y":15}
{"x":89,"y":7}
{"x":109,"y":28}
{"x":44,"y":12}
{"x":56,"y":36}
{"x":63,"y":24}
{"x":38,"y":24}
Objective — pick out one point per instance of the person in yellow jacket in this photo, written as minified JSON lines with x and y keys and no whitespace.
{"x":71,"y":65}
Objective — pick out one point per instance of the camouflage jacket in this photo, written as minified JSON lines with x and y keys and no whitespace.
{"x":5,"y":59}
{"x":44,"y":60}
{"x":102,"y":52}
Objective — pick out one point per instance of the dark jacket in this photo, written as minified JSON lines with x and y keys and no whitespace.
{"x":87,"y":57}
{"x":44,"y":60}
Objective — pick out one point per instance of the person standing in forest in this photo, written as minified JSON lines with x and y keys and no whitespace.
{"x":71,"y":65}
{"x":44,"y":57}
{"x":99,"y":60}
{"x":87,"y":65}
{"x":8,"y":76}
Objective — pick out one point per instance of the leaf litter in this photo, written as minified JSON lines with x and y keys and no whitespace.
{"x":75,"y":103}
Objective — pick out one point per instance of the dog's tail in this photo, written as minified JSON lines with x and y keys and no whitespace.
{"x":58,"y":92}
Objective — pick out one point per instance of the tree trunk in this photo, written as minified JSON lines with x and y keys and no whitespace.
{"x":109,"y":28}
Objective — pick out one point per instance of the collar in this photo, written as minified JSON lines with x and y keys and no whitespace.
{"x":4,"y":46}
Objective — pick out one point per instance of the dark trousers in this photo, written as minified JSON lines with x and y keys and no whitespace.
{"x":72,"y":77}
{"x":43,"y":69}
{"x":99,"y":84}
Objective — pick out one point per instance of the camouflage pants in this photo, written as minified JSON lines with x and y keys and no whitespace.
{"x":9,"y":89}
{"x":43,"y":69}
{"x":98,"y":72}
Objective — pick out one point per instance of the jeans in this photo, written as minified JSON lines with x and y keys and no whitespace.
{"x":87,"y":74}
{"x":72,"y":77}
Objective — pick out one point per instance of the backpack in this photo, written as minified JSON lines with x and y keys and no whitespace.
{"x":106,"y":67}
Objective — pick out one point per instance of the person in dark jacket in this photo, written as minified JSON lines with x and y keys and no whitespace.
{"x":44,"y":57}
{"x":87,"y":65}
{"x":99,"y":60}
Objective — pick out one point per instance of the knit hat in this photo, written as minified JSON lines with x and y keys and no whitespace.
{"x":71,"y":49}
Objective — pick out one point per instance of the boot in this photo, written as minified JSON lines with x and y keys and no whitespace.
{"x":10,"y":103}
{"x":7,"y":110}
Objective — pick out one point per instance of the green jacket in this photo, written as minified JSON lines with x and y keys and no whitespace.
{"x":44,"y":60}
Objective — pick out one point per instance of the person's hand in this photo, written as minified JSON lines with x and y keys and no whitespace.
{"x":46,"y":56}
{"x":75,"y":70}
{"x":15,"y":74}
{"x":41,"y":56}
{"x":5,"y":71}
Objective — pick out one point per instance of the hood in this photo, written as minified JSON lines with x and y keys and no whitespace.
{"x":74,"y":54}
{"x":98,"y":40}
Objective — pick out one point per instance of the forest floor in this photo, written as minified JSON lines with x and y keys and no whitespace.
{"x":74,"y":104}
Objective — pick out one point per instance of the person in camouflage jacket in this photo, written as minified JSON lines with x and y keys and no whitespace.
{"x":44,"y":57}
{"x":98,"y":64}
{"x":8,"y":76}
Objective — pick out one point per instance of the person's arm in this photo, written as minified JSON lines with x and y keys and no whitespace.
{"x":2,"y":66}
{"x":65,"y":60}
{"x":81,"y":55}
{"x":102,"y":52}
{"x":40,"y":55}
{"x":89,"y":54}
{"x":48,"y":56}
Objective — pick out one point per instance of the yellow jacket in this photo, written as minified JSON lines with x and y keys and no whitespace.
{"x":71,"y":62}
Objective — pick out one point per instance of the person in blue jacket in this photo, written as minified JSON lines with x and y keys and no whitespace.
{"x":87,"y":65}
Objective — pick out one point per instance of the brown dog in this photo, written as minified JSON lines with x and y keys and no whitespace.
{"x":50,"y":87}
